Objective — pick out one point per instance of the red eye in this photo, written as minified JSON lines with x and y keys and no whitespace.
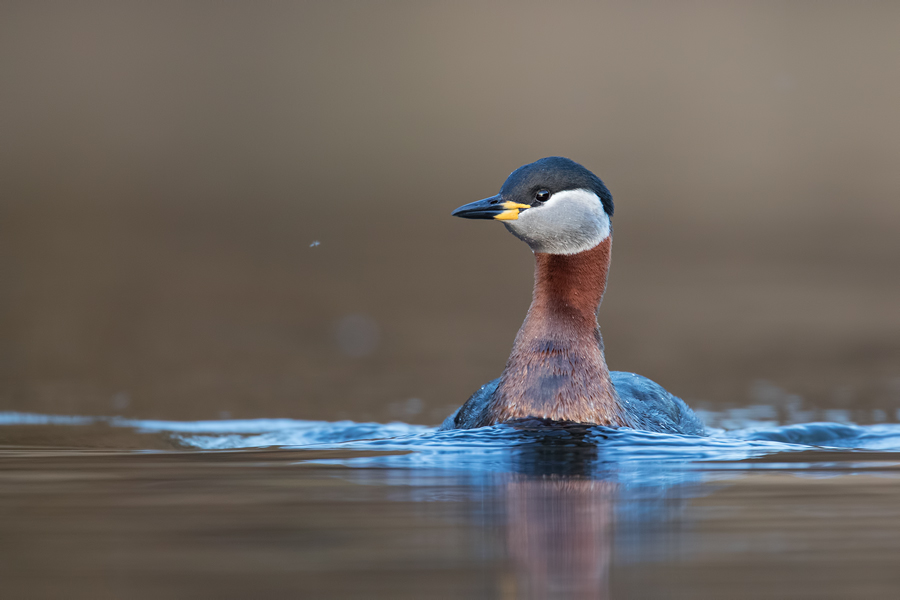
{"x":542,"y":195}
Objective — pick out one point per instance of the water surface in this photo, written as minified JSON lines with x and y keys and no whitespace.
{"x":111,"y":508}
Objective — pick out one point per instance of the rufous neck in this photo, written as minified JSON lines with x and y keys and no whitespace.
{"x":571,"y":286}
{"x":557,"y":369}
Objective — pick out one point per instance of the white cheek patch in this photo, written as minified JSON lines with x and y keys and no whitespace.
{"x":569,"y":222}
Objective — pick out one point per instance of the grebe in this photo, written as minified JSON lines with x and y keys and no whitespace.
{"x":557,"y":370}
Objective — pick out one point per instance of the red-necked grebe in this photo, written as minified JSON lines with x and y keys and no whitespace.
{"x":557,"y":370}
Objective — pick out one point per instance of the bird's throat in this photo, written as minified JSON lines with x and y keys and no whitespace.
{"x":557,"y":369}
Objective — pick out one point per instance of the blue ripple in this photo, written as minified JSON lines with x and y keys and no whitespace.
{"x":621,"y":454}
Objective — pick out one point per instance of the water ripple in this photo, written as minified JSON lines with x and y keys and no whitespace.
{"x":533,"y":448}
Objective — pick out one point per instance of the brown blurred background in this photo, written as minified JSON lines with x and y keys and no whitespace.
{"x":166,"y":168}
